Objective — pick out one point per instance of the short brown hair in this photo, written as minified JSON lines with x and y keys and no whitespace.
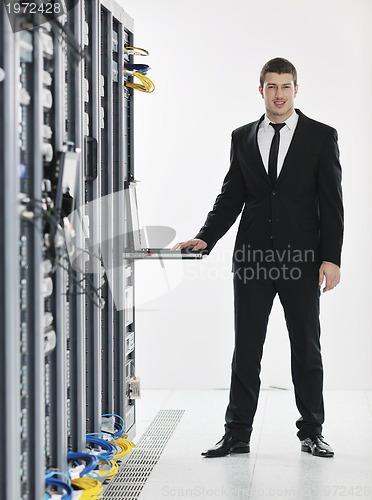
{"x":278,"y":65}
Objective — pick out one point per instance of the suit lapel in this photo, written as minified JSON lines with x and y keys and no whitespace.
{"x":254,"y":151}
{"x":295,"y":148}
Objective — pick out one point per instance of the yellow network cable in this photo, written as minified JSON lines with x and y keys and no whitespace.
{"x":91,"y":488}
{"x":146,"y":84}
{"x":136,"y":51}
{"x":125,"y":446}
{"x":114,"y":469}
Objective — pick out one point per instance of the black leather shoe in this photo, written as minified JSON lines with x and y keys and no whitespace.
{"x":227,"y":445}
{"x":317,"y":446}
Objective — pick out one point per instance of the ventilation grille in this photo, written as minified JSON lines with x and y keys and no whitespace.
{"x":133,"y":474}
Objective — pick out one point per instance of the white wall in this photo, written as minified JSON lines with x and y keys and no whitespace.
{"x":205,"y":59}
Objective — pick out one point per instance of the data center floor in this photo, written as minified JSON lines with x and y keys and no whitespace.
{"x":275,"y":468}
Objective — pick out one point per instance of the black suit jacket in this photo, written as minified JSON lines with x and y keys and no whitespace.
{"x":298,"y":222}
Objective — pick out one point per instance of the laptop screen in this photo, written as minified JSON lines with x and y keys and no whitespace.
{"x":138,"y":235}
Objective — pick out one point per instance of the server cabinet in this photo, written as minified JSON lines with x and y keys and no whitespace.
{"x":107,"y":32}
{"x":10,"y":362}
{"x":115,"y":170}
{"x":67,"y":349}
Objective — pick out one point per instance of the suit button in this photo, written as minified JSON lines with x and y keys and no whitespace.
{"x":273,"y":193}
{"x":271,"y":236}
{"x":268,"y":220}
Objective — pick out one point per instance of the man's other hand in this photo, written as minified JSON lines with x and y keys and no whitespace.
{"x":196,"y":243}
{"x":331,"y":273}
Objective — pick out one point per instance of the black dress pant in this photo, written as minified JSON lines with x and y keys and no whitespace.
{"x":253,"y":301}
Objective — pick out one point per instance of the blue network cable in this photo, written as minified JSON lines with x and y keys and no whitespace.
{"x":120,"y":430}
{"x":90,"y":460}
{"x":119,"y":426}
{"x":110,"y":449}
{"x":51,"y":480}
{"x":140,"y":68}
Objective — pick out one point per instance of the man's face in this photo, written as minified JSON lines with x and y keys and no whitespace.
{"x":278,"y":92}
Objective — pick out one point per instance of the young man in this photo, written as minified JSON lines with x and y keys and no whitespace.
{"x":286,"y":176}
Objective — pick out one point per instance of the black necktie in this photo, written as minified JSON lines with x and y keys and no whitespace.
{"x":274,"y":150}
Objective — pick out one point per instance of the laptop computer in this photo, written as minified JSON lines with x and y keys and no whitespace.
{"x":138,"y":241}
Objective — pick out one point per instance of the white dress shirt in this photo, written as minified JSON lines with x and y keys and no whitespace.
{"x":266,"y":134}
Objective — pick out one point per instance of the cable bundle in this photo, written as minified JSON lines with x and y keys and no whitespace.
{"x":140,"y":68}
{"x":109,"y":448}
{"x":146,"y":84}
{"x":135,"y":51}
{"x":138,"y":71}
{"x":90,"y":460}
{"x":55,"y":482}
{"x":91,"y":489}
{"x":119,"y":430}
{"x":125,"y":447}
{"x":113,"y":469}
{"x":119,"y":426}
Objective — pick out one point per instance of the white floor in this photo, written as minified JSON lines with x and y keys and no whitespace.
{"x":275,"y":468}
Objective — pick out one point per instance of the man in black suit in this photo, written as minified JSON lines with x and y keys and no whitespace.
{"x":285,"y":174}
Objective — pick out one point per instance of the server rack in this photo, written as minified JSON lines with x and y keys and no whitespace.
{"x":9,"y":247}
{"x":67,"y":312}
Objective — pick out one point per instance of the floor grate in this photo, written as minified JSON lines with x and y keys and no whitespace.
{"x":133,"y":474}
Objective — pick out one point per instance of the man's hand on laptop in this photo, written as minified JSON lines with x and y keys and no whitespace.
{"x":195,"y":243}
